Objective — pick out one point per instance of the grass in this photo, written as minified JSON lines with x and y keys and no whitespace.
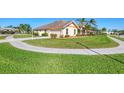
{"x":22,"y":36}
{"x":14,"y":60}
{"x":120,"y":38}
{"x":90,"y":41}
{"x":2,"y":37}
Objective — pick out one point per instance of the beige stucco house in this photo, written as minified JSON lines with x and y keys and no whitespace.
{"x":61,"y":28}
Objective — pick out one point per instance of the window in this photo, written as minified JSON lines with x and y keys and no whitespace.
{"x":67,"y":31}
{"x":74,"y":31}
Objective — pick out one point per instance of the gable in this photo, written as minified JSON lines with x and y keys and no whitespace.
{"x":72,"y":24}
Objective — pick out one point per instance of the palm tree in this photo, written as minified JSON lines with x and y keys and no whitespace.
{"x":87,"y":28}
{"x":24,"y":28}
{"x":92,"y":22}
{"x":82,"y":23}
{"x":85,"y":24}
{"x":104,"y":29}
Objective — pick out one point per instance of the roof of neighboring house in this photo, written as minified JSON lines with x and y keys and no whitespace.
{"x":56,"y":26}
{"x":9,"y":29}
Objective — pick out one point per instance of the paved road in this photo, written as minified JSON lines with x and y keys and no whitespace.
{"x":21,"y":45}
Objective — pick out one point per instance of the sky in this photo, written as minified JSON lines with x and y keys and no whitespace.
{"x":109,"y":23}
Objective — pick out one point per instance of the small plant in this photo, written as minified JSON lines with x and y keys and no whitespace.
{"x":79,"y":35}
{"x":35,"y":33}
{"x":45,"y":34}
{"x":61,"y":36}
{"x":67,"y":35}
{"x":53,"y":36}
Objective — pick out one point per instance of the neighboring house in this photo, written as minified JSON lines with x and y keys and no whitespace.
{"x":7,"y":29}
{"x":61,"y":28}
{"x":108,"y":32}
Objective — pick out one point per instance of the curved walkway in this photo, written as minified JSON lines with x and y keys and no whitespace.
{"x":21,"y":45}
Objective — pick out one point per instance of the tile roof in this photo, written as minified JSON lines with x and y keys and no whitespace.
{"x":57,"y":25}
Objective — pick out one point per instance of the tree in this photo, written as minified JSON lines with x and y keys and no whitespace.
{"x":93,"y":22}
{"x":86,"y":25}
{"x":25,"y":28}
{"x":104,"y":29}
{"x":114,"y":30}
{"x":82,"y":23}
{"x":10,"y":26}
{"x":87,"y":28}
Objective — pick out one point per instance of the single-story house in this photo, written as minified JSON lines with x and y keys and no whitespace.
{"x":108,"y":32}
{"x":61,"y":28}
{"x":7,"y":30}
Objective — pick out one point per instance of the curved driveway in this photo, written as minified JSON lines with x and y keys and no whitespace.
{"x":21,"y":45}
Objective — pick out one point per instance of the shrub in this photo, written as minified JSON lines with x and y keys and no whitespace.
{"x":45,"y":34}
{"x":103,"y":34}
{"x":53,"y":36}
{"x":79,"y":35}
{"x":61,"y":36}
{"x":67,"y":36}
{"x":35,"y":33}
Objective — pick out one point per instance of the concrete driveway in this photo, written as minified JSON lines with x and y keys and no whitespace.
{"x":21,"y":45}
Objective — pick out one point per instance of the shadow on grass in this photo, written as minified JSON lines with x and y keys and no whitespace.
{"x":108,"y":56}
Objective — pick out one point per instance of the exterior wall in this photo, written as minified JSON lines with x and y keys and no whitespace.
{"x":40,"y":33}
{"x":50,"y":32}
{"x":70,"y":28}
{"x":55,"y":32}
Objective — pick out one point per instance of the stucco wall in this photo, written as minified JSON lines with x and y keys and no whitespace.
{"x":50,"y":32}
{"x":70,"y":28}
{"x":55,"y":32}
{"x":40,"y":33}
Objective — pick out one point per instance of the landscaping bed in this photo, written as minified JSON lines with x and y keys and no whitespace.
{"x":22,"y":35}
{"x":2,"y":37}
{"x":100,"y":41}
{"x":13,"y":60}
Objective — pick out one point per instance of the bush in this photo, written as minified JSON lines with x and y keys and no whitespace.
{"x":61,"y":36}
{"x":35,"y":33}
{"x":67,"y":36}
{"x":53,"y":36}
{"x":79,"y":35}
{"x":103,"y":34}
{"x":45,"y":34}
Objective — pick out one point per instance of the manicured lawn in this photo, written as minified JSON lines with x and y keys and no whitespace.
{"x":120,"y":38}
{"x":2,"y":37}
{"x":90,"y":41}
{"x":22,"y":36}
{"x":14,"y":60}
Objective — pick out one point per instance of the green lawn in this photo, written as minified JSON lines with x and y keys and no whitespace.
{"x":120,"y":38}
{"x":22,"y":36}
{"x":14,"y":60}
{"x":2,"y":37}
{"x":90,"y":41}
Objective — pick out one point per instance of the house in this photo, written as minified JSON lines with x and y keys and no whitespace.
{"x":61,"y":28}
{"x":7,"y":30}
{"x":109,"y":33}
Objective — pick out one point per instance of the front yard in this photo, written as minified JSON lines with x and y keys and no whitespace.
{"x":76,"y":43}
{"x":13,"y":60}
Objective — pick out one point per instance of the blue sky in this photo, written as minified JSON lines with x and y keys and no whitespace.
{"x":110,"y":23}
